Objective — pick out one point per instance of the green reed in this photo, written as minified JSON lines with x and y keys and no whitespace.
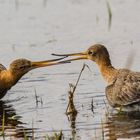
{"x":109,"y":14}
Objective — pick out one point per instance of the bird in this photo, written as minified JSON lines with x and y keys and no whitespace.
{"x":123,"y":85}
{"x":19,"y":67}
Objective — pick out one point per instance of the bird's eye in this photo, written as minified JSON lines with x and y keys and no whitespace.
{"x":21,"y":67}
{"x":91,"y":53}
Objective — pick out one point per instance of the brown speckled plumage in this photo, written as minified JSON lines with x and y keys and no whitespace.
{"x":125,"y":89}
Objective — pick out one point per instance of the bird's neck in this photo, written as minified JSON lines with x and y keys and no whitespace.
{"x":108,"y":71}
{"x":8,"y":79}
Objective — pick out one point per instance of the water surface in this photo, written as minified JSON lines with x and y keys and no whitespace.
{"x":34,"y":30}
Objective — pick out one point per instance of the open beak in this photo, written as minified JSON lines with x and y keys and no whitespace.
{"x":48,"y":63}
{"x":82,"y":55}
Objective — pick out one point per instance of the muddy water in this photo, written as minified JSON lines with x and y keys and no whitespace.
{"x":34,"y":30}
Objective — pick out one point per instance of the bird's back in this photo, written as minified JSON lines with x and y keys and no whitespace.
{"x":2,"y":67}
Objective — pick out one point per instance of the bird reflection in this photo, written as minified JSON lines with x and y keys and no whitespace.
{"x":124,"y":125}
{"x":11,"y":122}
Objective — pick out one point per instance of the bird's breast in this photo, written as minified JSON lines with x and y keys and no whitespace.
{"x":6,"y":80}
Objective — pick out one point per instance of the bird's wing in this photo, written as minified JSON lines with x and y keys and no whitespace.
{"x":125,"y":90}
{"x":2,"y":67}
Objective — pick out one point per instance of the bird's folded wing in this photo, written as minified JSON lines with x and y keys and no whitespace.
{"x":127,"y":89}
{"x":2,"y":67}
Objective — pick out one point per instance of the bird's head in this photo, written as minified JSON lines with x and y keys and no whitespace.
{"x":97,"y":53}
{"x":21,"y":66}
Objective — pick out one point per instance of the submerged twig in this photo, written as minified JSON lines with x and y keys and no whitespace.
{"x":74,"y":87}
{"x":71,"y":107}
{"x":71,"y":111}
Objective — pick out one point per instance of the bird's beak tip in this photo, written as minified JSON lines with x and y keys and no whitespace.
{"x":48,"y":63}
{"x":82,"y":55}
{"x":71,"y":54}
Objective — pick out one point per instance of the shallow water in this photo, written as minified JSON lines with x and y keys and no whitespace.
{"x":34,"y":30}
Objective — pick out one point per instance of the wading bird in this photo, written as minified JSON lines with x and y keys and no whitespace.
{"x":123,"y":89}
{"x":9,"y":77}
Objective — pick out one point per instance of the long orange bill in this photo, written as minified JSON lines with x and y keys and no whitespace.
{"x":82,"y":55}
{"x":48,"y":63}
